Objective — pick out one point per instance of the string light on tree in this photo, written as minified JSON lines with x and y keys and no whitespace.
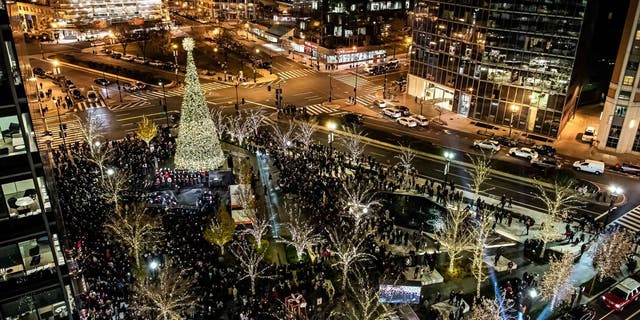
{"x":198,"y":147}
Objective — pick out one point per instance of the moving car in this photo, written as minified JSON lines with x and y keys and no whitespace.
{"x":101,"y":82}
{"x":589,"y":134}
{"x":97,"y":43}
{"x":141,"y":85}
{"x":622,"y":294}
{"x":407,"y":122}
{"x":581,"y":312}
{"x":588,"y":165}
{"x":392,"y":112}
{"x":628,"y":168}
{"x":39,"y":72}
{"x":420,"y":120}
{"x":491,"y":145}
{"x":76,"y":94}
{"x":92,"y":96}
{"x":140,"y":60}
{"x":544,"y":150}
{"x":128,"y":57}
{"x":129,"y":87}
{"x":116,"y":55}
{"x":546,"y":162}
{"x":526,"y":153}
{"x":380,"y":103}
{"x":352,"y":119}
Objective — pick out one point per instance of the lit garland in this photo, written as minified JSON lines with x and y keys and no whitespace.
{"x":198,"y":147}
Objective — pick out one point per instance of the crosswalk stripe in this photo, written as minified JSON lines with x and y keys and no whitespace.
{"x":298,"y":73}
{"x":351,"y":80}
{"x":130,"y":105}
{"x":73,"y":134}
{"x":630,"y":220}
{"x":84,"y":105}
{"x":317,"y":109}
{"x":209,"y":86}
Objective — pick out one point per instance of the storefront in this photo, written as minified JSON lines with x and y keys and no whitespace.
{"x":353,"y":55}
{"x":431,"y":92}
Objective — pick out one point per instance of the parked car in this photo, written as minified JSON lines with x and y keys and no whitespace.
{"x":129,"y":87}
{"x":39,"y":72}
{"x":76,"y":94}
{"x":140,"y":60}
{"x":491,"y":145}
{"x":407,"y":122}
{"x":156,"y":63}
{"x":622,"y":294}
{"x":506,"y":141}
{"x":420,"y":120}
{"x":105,"y":50}
{"x":380,"y":103}
{"x":628,"y":168}
{"x":92,"y":96}
{"x":526,"y":153}
{"x":392,"y":112}
{"x":69,"y":84}
{"x":404,"y":110}
{"x":97,"y":43}
{"x":101,"y":82}
{"x":352,"y":119}
{"x":128,"y":57}
{"x":589,"y":134}
{"x":546,"y":162}
{"x":116,"y":55}
{"x":544,"y":150}
{"x":588,"y":165}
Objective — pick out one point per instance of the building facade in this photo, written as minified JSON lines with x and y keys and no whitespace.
{"x":75,"y":13}
{"x":34,"y":281}
{"x":619,"y":130}
{"x":505,"y":62}
{"x":226,"y":9}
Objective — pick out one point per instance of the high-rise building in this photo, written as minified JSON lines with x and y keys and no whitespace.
{"x":74,"y":13}
{"x":34,"y":282}
{"x":619,"y":130}
{"x":505,"y":62}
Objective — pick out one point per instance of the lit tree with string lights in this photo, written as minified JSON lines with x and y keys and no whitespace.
{"x":558,"y":202}
{"x":362,"y":303}
{"x":499,"y":308}
{"x":358,"y":200}
{"x":352,"y":141}
{"x":611,"y":252}
{"x":147,"y":129}
{"x":219,"y":121}
{"x":251,"y":261}
{"x":114,"y":183}
{"x":284,"y":138}
{"x":303,"y":234}
{"x":349,"y":253}
{"x":556,"y":286}
{"x":255,"y":213}
{"x":220,"y":229}
{"x":238,"y":128}
{"x":480,"y":173}
{"x":168,"y":297}
{"x":455,"y":235}
{"x":91,"y":128}
{"x":480,"y":233}
{"x":197,"y":145}
{"x":254,"y":119}
{"x":306,"y":129}
{"x":406,"y":157}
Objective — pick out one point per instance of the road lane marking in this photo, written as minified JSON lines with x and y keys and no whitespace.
{"x":606,"y":315}
{"x":632,"y":316}
{"x":302,"y":93}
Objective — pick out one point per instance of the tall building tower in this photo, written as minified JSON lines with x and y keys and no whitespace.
{"x":619,"y":130}
{"x":505,"y":62}
{"x":34,"y":282}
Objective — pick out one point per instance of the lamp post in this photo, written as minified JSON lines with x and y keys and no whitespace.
{"x":355,"y":87}
{"x":614,"y":192}
{"x":447,"y":156}
{"x":164,"y":103}
{"x":56,"y":64}
{"x":331,"y":126}
{"x":514,"y":108}
{"x":175,"y":59}
{"x":237,"y":83}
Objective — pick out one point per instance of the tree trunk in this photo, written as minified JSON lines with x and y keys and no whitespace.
{"x":544,"y":246}
{"x":451,"y":263}
{"x":253,"y":285}
{"x":136,"y":256}
{"x":344,"y":278}
{"x":221,"y":249}
{"x":478,"y":285}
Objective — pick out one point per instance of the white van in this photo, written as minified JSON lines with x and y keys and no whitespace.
{"x":591,"y":166}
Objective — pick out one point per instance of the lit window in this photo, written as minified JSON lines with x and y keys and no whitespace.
{"x":627,"y":80}
{"x":638,"y":35}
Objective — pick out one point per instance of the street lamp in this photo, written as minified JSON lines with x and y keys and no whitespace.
{"x":236,"y":85}
{"x":175,"y":59}
{"x":447,"y":156}
{"x":331,"y":126}
{"x":55,"y":64}
{"x":153,"y":265}
{"x":164,"y":102}
{"x":110,"y":171}
{"x":614,"y":192}
{"x":514,"y":108}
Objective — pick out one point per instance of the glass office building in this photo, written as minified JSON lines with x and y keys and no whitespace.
{"x":34,"y":282}
{"x":508,"y":62}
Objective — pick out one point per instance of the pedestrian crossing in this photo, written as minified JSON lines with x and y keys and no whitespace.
{"x":265,"y":84}
{"x":366,"y":100}
{"x":317,"y":109}
{"x":73,"y":134}
{"x":298,"y":73}
{"x":630,"y":220}
{"x":350,"y":79}
{"x":130,"y":105}
{"x":159,"y":93}
{"x":85,"y":105}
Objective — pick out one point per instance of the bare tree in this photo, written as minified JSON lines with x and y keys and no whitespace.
{"x":259,"y":223}
{"x":303,"y":234}
{"x":238,"y":128}
{"x":166,"y":298}
{"x":147,"y":129}
{"x":611,"y":252}
{"x":406,"y":157}
{"x":358,"y":200}
{"x":305,"y":134}
{"x":254,"y":119}
{"x":134,"y":230}
{"x":349,"y":253}
{"x":352,"y":141}
{"x":561,"y":200}
{"x":455,"y":236}
{"x":480,"y":234}
{"x":252,"y":262}
{"x":113,"y":185}
{"x":221,"y":229}
{"x":284,"y":139}
{"x":499,"y":308}
{"x":556,"y":285}
{"x":219,"y":121}
{"x":480,"y":173}
{"x":362,"y":303}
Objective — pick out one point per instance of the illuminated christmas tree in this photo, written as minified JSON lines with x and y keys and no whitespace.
{"x":198,"y":147}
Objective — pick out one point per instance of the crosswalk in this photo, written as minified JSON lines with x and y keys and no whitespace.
{"x":630,"y":220}
{"x":366,"y":100}
{"x":298,"y":73}
{"x":157,"y":94}
{"x":316,"y":109}
{"x":85,"y":105}
{"x":273,"y":84}
{"x":130,"y":105}
{"x":73,"y":134}
{"x":350,"y":80}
